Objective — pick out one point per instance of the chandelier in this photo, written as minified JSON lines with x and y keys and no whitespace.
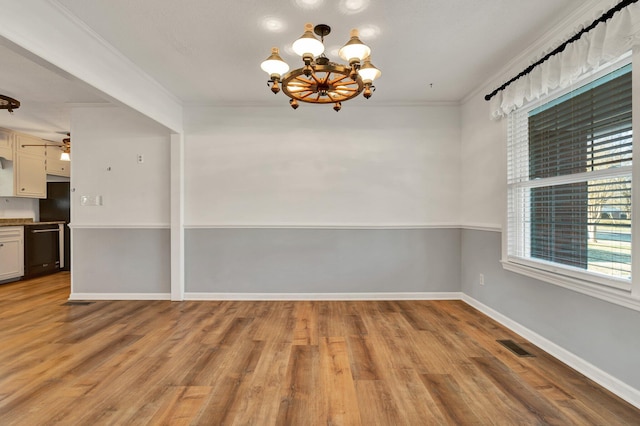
{"x":321,"y":81}
{"x":9,"y":103}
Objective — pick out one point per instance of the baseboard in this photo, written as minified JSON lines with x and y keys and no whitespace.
{"x":621,"y":389}
{"x":120,"y":296}
{"x":324,"y":296}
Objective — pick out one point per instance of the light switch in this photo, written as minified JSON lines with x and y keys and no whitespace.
{"x":91,"y":200}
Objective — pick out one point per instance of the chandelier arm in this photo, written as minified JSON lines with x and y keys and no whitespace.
{"x":330,"y":95}
{"x":307,"y":95}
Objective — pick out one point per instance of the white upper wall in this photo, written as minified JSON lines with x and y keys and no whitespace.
{"x":105,"y":145}
{"x":483,"y":166}
{"x":363,"y":166}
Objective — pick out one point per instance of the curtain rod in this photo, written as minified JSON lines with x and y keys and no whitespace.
{"x":607,"y":15}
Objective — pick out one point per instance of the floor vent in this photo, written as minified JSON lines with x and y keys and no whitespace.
{"x":76,"y":303}
{"x":515,"y":348}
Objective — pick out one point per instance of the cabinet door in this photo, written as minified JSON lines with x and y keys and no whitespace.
{"x":11,"y":263}
{"x":6,"y":145}
{"x":11,"y":253}
{"x":30,"y":176}
{"x":58,"y":167}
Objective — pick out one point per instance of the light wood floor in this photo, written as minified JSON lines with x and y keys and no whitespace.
{"x":276,"y":363}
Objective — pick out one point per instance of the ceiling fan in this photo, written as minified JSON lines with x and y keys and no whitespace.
{"x":65,"y":145}
{"x":66,"y":148}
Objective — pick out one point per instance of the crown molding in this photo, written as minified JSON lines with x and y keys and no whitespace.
{"x":196,"y":104}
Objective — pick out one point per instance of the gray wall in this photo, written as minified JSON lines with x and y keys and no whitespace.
{"x":121,"y":261}
{"x":322,"y":260}
{"x":602,"y":333}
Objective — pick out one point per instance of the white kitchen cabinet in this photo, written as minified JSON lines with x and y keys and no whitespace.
{"x":58,"y":167}
{"x":55,"y":166}
{"x":26,"y":175}
{"x":30,"y":174}
{"x":11,"y":252}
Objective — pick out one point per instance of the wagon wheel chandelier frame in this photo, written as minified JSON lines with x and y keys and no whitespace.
{"x":321,"y":81}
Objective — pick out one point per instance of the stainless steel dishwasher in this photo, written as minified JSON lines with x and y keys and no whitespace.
{"x":41,"y":249}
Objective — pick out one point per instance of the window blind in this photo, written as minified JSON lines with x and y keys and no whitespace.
{"x":569,"y":177}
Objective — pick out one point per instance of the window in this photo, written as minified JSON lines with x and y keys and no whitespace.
{"x":569,"y":183}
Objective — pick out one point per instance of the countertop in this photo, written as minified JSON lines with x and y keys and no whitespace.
{"x":16,"y":221}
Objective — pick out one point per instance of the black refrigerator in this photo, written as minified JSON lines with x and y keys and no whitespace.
{"x":57,"y":206}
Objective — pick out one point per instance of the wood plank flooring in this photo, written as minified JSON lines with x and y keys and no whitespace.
{"x":276,"y":363}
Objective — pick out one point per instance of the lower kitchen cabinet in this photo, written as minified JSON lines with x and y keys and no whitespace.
{"x":11,"y":252}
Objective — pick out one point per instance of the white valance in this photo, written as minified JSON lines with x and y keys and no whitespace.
{"x":604,"y":43}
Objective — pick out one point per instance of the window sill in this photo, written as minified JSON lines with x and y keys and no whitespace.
{"x":609,"y":294}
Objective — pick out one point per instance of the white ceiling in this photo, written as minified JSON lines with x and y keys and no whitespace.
{"x":209,"y":51}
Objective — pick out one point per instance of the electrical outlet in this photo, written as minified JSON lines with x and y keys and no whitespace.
{"x":481,"y":279}
{"x":140,"y":159}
